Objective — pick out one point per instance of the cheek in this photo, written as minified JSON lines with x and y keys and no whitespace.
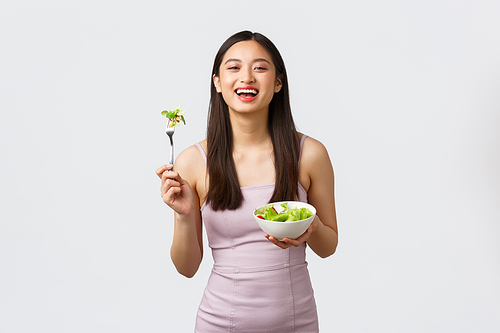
{"x":226,"y":92}
{"x":226,"y":95}
{"x":226,"y":83}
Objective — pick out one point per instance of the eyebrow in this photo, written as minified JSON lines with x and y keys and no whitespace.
{"x":255,"y":60}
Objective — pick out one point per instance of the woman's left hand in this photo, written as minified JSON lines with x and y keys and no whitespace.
{"x":287,"y":242}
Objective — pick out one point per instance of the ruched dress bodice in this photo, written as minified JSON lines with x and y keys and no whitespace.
{"x":237,"y":242}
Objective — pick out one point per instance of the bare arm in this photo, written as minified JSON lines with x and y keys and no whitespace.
{"x":180,"y":194}
{"x":316,"y":175}
{"x":315,"y":160}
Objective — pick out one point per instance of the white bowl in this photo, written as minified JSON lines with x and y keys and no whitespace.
{"x":286,"y":229}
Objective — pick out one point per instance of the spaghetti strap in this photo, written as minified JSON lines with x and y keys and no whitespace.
{"x":202,"y":152}
{"x":302,"y":144}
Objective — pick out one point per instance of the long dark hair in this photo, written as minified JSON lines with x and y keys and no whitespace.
{"x":224,"y":190}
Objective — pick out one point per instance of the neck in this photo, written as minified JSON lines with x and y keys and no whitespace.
{"x":250,"y":130}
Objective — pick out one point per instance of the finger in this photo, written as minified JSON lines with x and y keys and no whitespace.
{"x":173,"y":191}
{"x":169,"y":196}
{"x":170,"y":175}
{"x":161,"y":170}
{"x":291,"y":242}
{"x":164,"y":168}
{"x":276,"y":242}
{"x":302,"y":238}
{"x":168,"y":184}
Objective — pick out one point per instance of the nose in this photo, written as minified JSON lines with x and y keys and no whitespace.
{"x":247,"y":75}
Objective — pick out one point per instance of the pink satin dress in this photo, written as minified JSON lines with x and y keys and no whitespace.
{"x":254,"y":285}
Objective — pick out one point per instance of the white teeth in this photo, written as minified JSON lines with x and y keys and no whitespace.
{"x":246,"y":91}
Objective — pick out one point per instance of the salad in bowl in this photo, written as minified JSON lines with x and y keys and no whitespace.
{"x":285,"y":219}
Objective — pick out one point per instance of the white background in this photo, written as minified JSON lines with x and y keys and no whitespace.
{"x":404,"y":94}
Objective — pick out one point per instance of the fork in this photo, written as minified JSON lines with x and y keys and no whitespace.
{"x":170,"y":132}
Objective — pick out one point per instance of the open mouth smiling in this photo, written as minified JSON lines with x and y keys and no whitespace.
{"x":247,"y":92}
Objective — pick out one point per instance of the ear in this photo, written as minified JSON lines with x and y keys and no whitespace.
{"x":217,"y":83}
{"x":278,"y":85}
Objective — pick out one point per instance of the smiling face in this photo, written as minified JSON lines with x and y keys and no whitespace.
{"x":247,"y":78}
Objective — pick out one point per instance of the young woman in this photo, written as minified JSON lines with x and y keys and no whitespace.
{"x":252,"y":155}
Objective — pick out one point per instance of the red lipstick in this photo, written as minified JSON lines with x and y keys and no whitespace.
{"x":246,"y":94}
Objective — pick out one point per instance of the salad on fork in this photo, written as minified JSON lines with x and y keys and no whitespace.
{"x":174,"y":118}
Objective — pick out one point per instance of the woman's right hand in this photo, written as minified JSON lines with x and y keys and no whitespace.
{"x":175,"y":191}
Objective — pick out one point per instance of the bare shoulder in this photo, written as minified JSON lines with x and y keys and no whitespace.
{"x":191,"y":165}
{"x":189,"y":155}
{"x":314,"y":153}
{"x":315,"y":166}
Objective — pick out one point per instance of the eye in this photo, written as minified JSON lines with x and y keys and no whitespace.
{"x":260,"y":68}
{"x":233,"y":68}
